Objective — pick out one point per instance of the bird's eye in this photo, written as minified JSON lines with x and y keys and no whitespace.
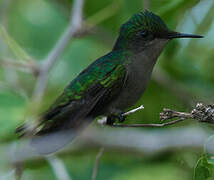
{"x":143,"y":33}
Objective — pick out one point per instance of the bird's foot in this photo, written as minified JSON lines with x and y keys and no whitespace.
{"x":121,"y":118}
{"x":111,"y":119}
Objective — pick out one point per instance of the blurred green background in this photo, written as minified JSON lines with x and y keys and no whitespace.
{"x":182,"y":77}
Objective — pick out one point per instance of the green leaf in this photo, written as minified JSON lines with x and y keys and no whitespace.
{"x":202,"y":171}
{"x":13,"y":45}
{"x":209,"y":150}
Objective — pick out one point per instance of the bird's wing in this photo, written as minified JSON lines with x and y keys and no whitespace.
{"x":103,"y":79}
{"x":90,"y":91}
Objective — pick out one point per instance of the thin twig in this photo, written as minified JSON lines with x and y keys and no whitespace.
{"x":4,"y":9}
{"x":96,"y":165}
{"x":146,"y":4}
{"x":18,"y":170}
{"x":147,"y":125}
{"x":202,"y":28}
{"x":8,"y":175}
{"x":103,"y":121}
{"x":73,"y":27}
{"x":169,"y":114}
{"x":59,"y":168}
{"x":18,"y":165}
{"x":13,"y":82}
{"x":19,"y":65}
{"x":201,"y":113}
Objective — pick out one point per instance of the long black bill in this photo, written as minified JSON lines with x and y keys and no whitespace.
{"x":182,"y":35}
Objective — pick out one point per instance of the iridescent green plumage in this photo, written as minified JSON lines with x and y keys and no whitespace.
{"x":143,"y":21}
{"x":104,"y":73}
{"x":108,"y":86}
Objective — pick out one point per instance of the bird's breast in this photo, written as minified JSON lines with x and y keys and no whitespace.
{"x":138,"y":76}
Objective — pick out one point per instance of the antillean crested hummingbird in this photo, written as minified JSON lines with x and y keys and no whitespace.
{"x":108,"y":86}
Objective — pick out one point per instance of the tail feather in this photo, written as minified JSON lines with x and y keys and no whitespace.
{"x":27,"y":129}
{"x":21,"y":131}
{"x":49,"y":135}
{"x":52,"y":142}
{"x":46,"y":142}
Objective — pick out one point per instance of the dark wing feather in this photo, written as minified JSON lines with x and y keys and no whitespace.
{"x":54,"y":136}
{"x":104,"y":78}
{"x":72,"y":115}
{"x":102,"y":90}
{"x":71,"y":112}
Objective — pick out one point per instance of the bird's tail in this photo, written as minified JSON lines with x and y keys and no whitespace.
{"x":59,"y":126}
{"x":46,"y":141}
{"x":52,"y":142}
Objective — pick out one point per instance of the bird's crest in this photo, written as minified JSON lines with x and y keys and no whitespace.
{"x":144,"y":20}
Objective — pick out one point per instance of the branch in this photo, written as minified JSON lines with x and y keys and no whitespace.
{"x":129,"y":140}
{"x":73,"y":27}
{"x":20,"y":65}
{"x":147,"y":125}
{"x":169,"y":114}
{"x":203,"y":27}
{"x":13,"y":82}
{"x":8,"y":175}
{"x":59,"y":168}
{"x":146,"y":4}
{"x":201,"y":113}
{"x":103,"y":121}
{"x":18,"y":170}
{"x":96,"y":165}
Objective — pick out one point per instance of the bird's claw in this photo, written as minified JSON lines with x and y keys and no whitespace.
{"x":113,"y":117}
{"x":121,"y":118}
{"x":110,"y":120}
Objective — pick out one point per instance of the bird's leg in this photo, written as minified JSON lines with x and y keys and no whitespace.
{"x":121,"y":118}
{"x":111,"y":119}
{"x":115,"y":116}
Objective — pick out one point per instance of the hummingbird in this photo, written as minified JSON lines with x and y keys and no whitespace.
{"x":107,"y":87}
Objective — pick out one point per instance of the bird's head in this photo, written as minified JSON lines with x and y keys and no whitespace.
{"x":146,"y":29}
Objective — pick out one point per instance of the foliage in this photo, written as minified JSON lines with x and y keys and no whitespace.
{"x":30,"y":29}
{"x":205,"y":166}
